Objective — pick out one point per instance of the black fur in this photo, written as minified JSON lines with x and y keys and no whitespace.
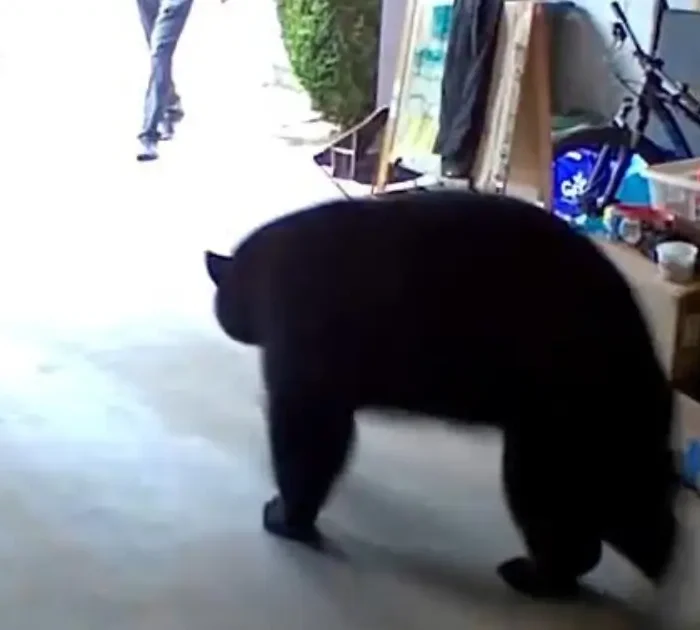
{"x":480,"y":309}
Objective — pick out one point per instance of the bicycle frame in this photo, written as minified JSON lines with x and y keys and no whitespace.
{"x":648,"y":102}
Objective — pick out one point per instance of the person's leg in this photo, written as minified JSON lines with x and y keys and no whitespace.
{"x":166,"y":32}
{"x":148,"y":12}
{"x":174,"y":110}
{"x":172,"y":115}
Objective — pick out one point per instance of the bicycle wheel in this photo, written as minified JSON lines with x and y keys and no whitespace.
{"x":574,"y":155}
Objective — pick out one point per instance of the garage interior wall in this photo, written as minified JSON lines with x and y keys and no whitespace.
{"x":596,"y":89}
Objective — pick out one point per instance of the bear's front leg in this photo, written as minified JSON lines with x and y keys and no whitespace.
{"x":523,"y":575}
{"x":277,"y":522}
{"x":310,"y":438}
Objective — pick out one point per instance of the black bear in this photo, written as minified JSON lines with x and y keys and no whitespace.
{"x":478,"y":309}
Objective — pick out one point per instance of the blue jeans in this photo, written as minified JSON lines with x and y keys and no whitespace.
{"x":163,"y":22}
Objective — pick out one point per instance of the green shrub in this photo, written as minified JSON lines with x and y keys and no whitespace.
{"x":333,"y":51}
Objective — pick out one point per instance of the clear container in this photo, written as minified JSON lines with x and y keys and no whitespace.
{"x":676,"y":261}
{"x":675,"y":187}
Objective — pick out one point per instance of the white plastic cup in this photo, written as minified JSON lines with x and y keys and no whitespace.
{"x":676,"y":261}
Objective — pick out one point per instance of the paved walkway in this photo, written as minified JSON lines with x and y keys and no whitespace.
{"x":72,"y":77}
{"x":83,"y":223}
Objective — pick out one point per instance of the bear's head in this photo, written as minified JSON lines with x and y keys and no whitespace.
{"x":233,"y":307}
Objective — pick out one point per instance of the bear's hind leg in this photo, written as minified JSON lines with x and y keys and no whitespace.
{"x":554,"y":517}
{"x":310,"y":438}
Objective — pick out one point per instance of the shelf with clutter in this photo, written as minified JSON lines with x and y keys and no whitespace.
{"x":656,"y":249}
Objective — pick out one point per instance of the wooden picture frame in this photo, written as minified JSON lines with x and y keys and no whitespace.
{"x":514,"y":154}
{"x":419,"y":19}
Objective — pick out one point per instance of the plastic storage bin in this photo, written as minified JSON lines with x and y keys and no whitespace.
{"x":675,"y":187}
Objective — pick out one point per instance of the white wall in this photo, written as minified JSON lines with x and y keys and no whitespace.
{"x":393,"y":12}
{"x":639,"y":12}
{"x":684,"y":4}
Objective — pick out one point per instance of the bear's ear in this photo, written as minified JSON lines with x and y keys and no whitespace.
{"x":216,"y":266}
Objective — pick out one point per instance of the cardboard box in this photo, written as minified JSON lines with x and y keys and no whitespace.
{"x":672,"y":310}
{"x":688,"y":438}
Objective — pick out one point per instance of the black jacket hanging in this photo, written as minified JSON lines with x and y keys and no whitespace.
{"x":466,"y":81}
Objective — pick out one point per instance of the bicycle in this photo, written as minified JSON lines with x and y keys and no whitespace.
{"x":615,"y":144}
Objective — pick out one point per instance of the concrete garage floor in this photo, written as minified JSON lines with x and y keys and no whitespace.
{"x":132,"y":450}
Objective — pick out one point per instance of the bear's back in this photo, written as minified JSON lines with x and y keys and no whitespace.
{"x":421,"y":298}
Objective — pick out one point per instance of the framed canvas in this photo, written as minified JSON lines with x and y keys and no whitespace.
{"x":414,"y":110}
